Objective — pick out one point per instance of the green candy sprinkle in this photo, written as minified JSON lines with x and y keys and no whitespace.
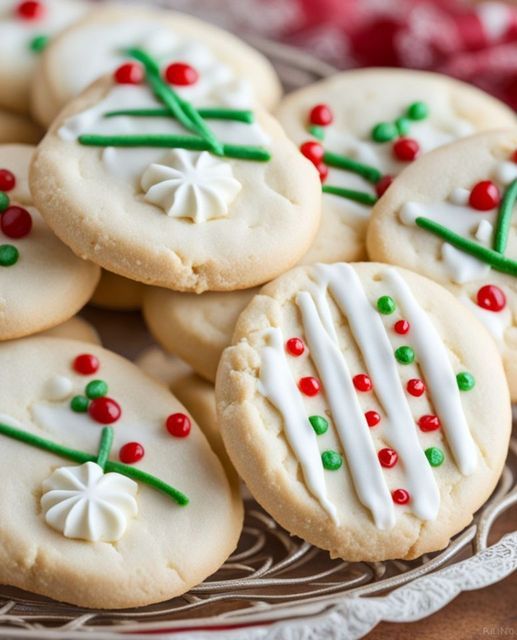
{"x":79,"y":404}
{"x":38,"y":43}
{"x":317,"y":132}
{"x":319,"y":424}
{"x":465,"y":381}
{"x":384,"y":131}
{"x":405,"y":355}
{"x":435,"y":456}
{"x":403,"y":125}
{"x":386,"y":305}
{"x":96,"y":389}
{"x":331,"y":460}
{"x":4,"y":201}
{"x":417,"y":111}
{"x":8,"y":255}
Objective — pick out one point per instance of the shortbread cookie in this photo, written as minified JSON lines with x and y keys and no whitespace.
{"x":76,"y":328}
{"x":365,"y":408}
{"x":42,"y":283}
{"x":452,"y":217}
{"x":111,"y":496}
{"x":15,"y":128}
{"x":165,"y":193}
{"x":26,"y":28}
{"x":115,"y":292}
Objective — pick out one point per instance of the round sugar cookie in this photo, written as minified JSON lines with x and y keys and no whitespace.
{"x":16,"y":128}
{"x":365,"y":408}
{"x":115,"y":292}
{"x":234,"y":71}
{"x":42,"y":283}
{"x":111,"y":524}
{"x":76,"y":328}
{"x":452,"y":217}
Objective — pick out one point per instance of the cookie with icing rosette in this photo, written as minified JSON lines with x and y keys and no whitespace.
{"x":16,"y":128}
{"x":365,"y":408}
{"x":111,"y":496}
{"x":452,"y":217}
{"x":42,"y":283}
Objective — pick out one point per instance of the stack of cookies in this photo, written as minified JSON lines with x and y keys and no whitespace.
{"x":341,"y":263}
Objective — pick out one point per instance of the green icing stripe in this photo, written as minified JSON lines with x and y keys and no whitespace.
{"x":356,"y":196}
{"x":105,"y":447}
{"x":212,"y":114}
{"x":504,"y":218}
{"x":343,"y":162}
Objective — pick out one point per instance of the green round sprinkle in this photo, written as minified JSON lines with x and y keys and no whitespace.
{"x":4,"y":201}
{"x":331,"y":460}
{"x":8,"y":255}
{"x":317,"y":132}
{"x":96,"y":389}
{"x":403,"y":125}
{"x":405,"y":355}
{"x":38,"y":43}
{"x":435,"y":456}
{"x":79,"y":404}
{"x":319,"y":424}
{"x":417,"y":111}
{"x":384,"y":131}
{"x":386,"y":305}
{"x":465,"y":381}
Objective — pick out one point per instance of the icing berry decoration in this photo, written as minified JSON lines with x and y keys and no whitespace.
{"x":405,"y":355}
{"x":7,"y":180}
{"x":388,"y":457}
{"x":321,"y":115}
{"x":484,"y":196}
{"x":30,"y":10}
{"x":383,"y":184}
{"x":386,"y":305}
{"x":417,"y":111}
{"x":401,"y":327}
{"x":331,"y":460}
{"x":9,"y":255}
{"x":309,"y":386}
{"x":4,"y":201}
{"x":178,"y":425}
{"x":104,"y":410}
{"x":96,"y":389}
{"x":406,"y":149}
{"x":429,"y":423}
{"x":415,"y":387}
{"x":435,"y":456}
{"x":79,"y":404}
{"x":465,"y":380}
{"x":86,"y":364}
{"x":491,"y":298}
{"x":400,"y":496}
{"x":38,"y":43}
{"x":319,"y":424}
{"x":323,"y":170}
{"x":313,"y":151}
{"x":384,"y":132}
{"x":181,"y":74}
{"x":362,"y":382}
{"x":372,"y":418}
{"x":129,"y":73}
{"x":514,"y":156}
{"x":295,"y":346}
{"x":317,"y":132}
{"x":403,"y":126}
{"x":16,"y":222}
{"x":131,"y":452}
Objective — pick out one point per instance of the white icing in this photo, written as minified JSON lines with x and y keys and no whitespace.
{"x":505,"y":172}
{"x":409,"y":212}
{"x":497,"y":322}
{"x":58,"y":388}
{"x":85,"y":503}
{"x":484,"y":232}
{"x":459,"y":195}
{"x":186,"y":185}
{"x":461,"y":266}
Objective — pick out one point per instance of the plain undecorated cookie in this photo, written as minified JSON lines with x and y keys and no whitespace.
{"x":76,"y":328}
{"x":117,"y":293}
{"x":15,"y":128}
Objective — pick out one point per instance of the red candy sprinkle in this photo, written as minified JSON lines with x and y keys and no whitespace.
{"x":429,"y":423}
{"x":86,"y":364}
{"x":383,"y":184}
{"x":388,"y":457}
{"x":400,"y":496}
{"x":321,"y":115}
{"x":401,"y":327}
{"x":323,"y":170}
{"x":491,"y":298}
{"x":484,"y":196}
{"x":415,"y":387}
{"x":30,"y":10}
{"x":514,"y":156}
{"x":7,"y":180}
{"x":406,"y":149}
{"x":181,"y":74}
{"x":131,"y":452}
{"x":309,"y":386}
{"x":129,"y":73}
{"x":313,"y":151}
{"x":295,"y":346}
{"x":362,"y":382}
{"x":16,"y":222}
{"x":372,"y":418}
{"x":104,"y":410}
{"x":178,"y":425}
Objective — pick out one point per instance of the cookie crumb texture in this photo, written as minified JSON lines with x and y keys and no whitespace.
{"x":372,"y":442}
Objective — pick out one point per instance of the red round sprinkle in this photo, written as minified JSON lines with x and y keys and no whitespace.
{"x":104,"y":410}
{"x":178,"y":425}
{"x":415,"y":387}
{"x":30,"y":10}
{"x":429,"y":423}
{"x":129,"y":73}
{"x":372,"y":418}
{"x":295,"y":346}
{"x":491,"y":298}
{"x":309,"y":386}
{"x":181,"y":74}
{"x":313,"y":151}
{"x":484,"y":196}
{"x":514,"y":156}
{"x":321,"y":115}
{"x":323,"y":170}
{"x":383,"y":184}
{"x":7,"y":180}
{"x":16,"y":222}
{"x":131,"y":452}
{"x":406,"y":149}
{"x":362,"y":382}
{"x":86,"y":364}
{"x":401,"y":327}
{"x":400,"y":496}
{"x":388,"y":457}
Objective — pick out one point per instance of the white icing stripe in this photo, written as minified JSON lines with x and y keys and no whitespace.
{"x":348,"y":417}
{"x":438,"y":374}
{"x":279,"y":388}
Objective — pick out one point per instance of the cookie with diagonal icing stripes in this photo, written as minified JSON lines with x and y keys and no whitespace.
{"x":365,"y":408}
